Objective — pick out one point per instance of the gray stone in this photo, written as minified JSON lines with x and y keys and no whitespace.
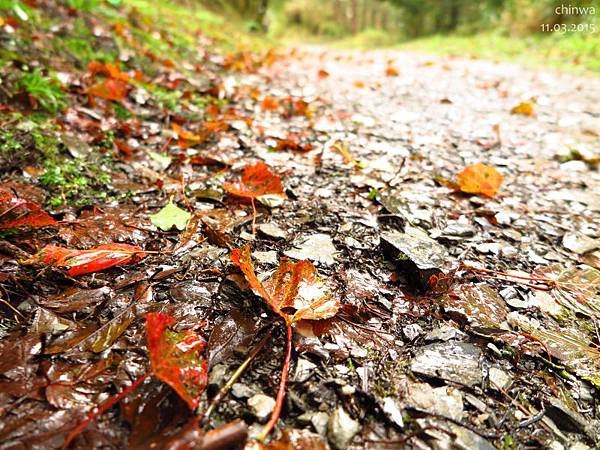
{"x":579,"y":243}
{"x":316,"y":247}
{"x":261,"y":405}
{"x":341,"y":429}
{"x":239,"y":390}
{"x":392,"y":411}
{"x":420,"y":257}
{"x":271,"y":230}
{"x":499,"y":379}
{"x":457,"y":362}
{"x":457,"y":438}
{"x":304,"y":369}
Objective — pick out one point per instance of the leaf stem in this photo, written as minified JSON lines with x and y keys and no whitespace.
{"x":96,"y":412}
{"x":253,"y":216}
{"x":282,"y":384}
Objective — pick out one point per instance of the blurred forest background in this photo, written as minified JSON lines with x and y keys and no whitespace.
{"x":484,"y":28}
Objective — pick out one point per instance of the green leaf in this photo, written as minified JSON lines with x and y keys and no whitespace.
{"x":170,"y":216}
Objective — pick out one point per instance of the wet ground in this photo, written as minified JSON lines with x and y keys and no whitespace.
{"x":466,"y":321}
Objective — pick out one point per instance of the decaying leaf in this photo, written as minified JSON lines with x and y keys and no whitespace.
{"x":80,"y":262}
{"x":570,"y":346}
{"x":176,"y":357}
{"x":17,"y":213}
{"x":257,"y":180}
{"x":171,"y":216}
{"x":295,"y":291}
{"x":576,"y":288}
{"x":479,"y":179}
{"x":478,"y":304}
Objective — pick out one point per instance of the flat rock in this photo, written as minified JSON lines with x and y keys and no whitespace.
{"x":579,"y":243}
{"x":315,"y":247}
{"x":457,"y":362}
{"x":341,"y":428}
{"x":304,"y":369}
{"x":444,"y":400}
{"x":271,"y":230}
{"x":261,"y":405}
{"x":418,"y":256}
{"x":457,"y":437}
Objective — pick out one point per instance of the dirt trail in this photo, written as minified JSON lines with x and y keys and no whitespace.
{"x":466,"y":321}
{"x":410,"y":131}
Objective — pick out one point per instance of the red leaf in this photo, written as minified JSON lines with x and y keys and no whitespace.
{"x":17,"y":212}
{"x":294,"y":287}
{"x":257,"y":180}
{"x":109,"y":89}
{"x":175,"y":357}
{"x":79,"y":262}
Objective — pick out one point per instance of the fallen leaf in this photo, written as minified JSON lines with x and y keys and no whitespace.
{"x":17,"y":213}
{"x":257,"y":180}
{"x":479,"y":179}
{"x":269,"y":104}
{"x":171,"y":216}
{"x":295,"y":286}
{"x":79,"y":262}
{"x":524,"y":108}
{"x":188,"y":138}
{"x":176,"y":357}
{"x":322,"y":74}
{"x":391,"y":71}
{"x":109,"y":70}
{"x":575,"y":288}
{"x":109,"y":89}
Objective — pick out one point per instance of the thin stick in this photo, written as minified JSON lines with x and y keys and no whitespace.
{"x":234,"y":377}
{"x":281,"y":394}
{"x":95,"y":412}
{"x":253,"y":216}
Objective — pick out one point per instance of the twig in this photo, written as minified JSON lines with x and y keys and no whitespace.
{"x":282,"y":384}
{"x":234,"y":377}
{"x":253,"y":216}
{"x":225,"y":436}
{"x":95,"y":412}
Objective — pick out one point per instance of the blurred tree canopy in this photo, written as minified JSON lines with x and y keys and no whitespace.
{"x":405,"y":18}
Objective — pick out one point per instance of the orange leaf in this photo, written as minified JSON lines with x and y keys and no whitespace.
{"x":257,"y":180}
{"x":391,"y":71}
{"x":269,"y":104}
{"x":17,"y":213}
{"x":479,"y":179}
{"x":322,"y":74}
{"x":79,"y":262}
{"x":176,"y":357}
{"x":524,"y":108}
{"x":108,"y":69}
{"x":187,"y":138}
{"x":109,"y":89}
{"x":294,"y":292}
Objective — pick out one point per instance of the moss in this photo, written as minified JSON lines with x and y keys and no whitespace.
{"x":45,"y":90}
{"x":35,"y":141}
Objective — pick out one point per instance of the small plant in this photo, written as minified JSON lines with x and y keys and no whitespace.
{"x":44,"y":89}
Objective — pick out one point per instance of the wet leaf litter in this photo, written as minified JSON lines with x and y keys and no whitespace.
{"x":378,"y":241}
